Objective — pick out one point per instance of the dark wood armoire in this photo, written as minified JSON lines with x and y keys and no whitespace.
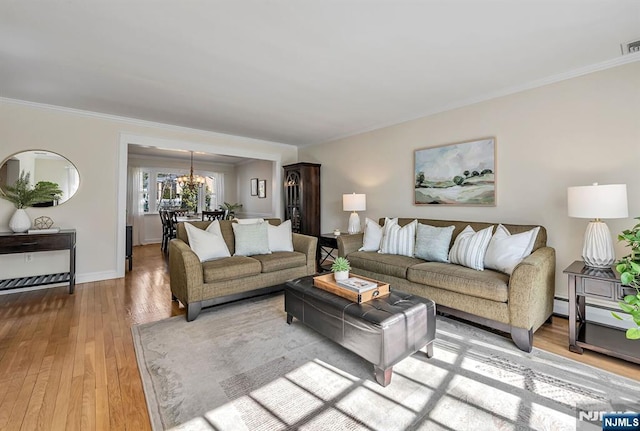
{"x":302,"y":197}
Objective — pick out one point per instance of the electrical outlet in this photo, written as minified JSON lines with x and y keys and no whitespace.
{"x":28,"y":257}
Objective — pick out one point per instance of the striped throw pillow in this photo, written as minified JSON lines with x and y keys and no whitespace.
{"x":470,"y":247}
{"x":399,"y":240}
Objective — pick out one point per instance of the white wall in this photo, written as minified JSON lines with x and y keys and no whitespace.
{"x":573,"y":132}
{"x":96,"y":144}
{"x":253,"y":206}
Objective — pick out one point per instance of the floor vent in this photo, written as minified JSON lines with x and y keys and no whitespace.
{"x":630,"y":47}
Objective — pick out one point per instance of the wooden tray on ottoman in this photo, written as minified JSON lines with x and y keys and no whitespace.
{"x":328,"y":283}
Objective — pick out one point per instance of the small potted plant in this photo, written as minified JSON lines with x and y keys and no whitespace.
{"x":340,"y":268}
{"x":230,"y":209}
{"x":629,"y":269}
{"x":22,"y":195}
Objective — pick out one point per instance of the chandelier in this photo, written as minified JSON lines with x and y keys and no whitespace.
{"x":190,"y":181}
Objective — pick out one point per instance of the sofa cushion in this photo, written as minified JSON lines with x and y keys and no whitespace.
{"x":230,"y":268}
{"x":279,"y":260}
{"x":387,"y":264}
{"x":207,"y":244}
{"x":399,"y":240}
{"x":372,"y":235}
{"x":506,"y":251}
{"x":432,"y":243}
{"x":486,"y":284}
{"x":280,"y":238}
{"x":470,"y":247}
{"x":251,"y":239}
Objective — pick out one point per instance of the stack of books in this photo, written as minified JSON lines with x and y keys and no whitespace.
{"x":357,"y":284}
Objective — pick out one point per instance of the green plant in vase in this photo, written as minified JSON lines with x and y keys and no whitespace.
{"x":230,"y":209}
{"x":629,"y":269}
{"x":340,"y":268}
{"x":23,"y":195}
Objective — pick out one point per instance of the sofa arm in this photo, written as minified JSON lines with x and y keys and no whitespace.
{"x":532,"y":288}
{"x":309,"y":246}
{"x":349,"y":243}
{"x":185,"y":273}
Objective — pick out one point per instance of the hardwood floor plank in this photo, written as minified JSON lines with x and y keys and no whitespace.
{"x":63,"y":395}
{"x":45,"y":415}
{"x":36,"y":400}
{"x":67,"y":362}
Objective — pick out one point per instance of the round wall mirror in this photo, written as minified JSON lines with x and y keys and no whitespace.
{"x":42,"y":166}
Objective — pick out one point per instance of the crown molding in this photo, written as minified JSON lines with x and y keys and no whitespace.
{"x":598,"y":67}
{"x":139,"y":122}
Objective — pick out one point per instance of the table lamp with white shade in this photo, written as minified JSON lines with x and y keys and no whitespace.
{"x":354,"y":202}
{"x":598,"y":202}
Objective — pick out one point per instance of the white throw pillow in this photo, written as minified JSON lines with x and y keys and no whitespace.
{"x":207,"y":244}
{"x":505,"y":251}
{"x":470,"y":247}
{"x":251,"y":239}
{"x":432,"y":243}
{"x":388,"y":222}
{"x":372,"y":235}
{"x":248,"y":220}
{"x":399,"y":240}
{"x":280,"y":238}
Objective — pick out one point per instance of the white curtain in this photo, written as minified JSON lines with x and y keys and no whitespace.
{"x":219,"y":190}
{"x":135,"y":204}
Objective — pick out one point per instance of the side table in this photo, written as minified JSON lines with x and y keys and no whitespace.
{"x":603,"y":284}
{"x":328,"y":244}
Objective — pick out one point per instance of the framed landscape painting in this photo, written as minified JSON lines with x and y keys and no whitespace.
{"x":456,"y":174}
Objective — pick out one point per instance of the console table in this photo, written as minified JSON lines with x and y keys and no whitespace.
{"x":11,"y":243}
{"x":603,"y":284}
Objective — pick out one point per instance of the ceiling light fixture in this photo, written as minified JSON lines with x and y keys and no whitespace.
{"x":191,"y":181}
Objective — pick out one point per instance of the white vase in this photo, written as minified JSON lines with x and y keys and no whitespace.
{"x":341,"y":275}
{"x":20,"y":221}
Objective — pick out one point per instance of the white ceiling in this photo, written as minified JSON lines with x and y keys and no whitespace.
{"x":297,"y":71}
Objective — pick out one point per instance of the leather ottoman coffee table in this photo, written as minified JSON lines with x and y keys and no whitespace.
{"x":382,"y":331}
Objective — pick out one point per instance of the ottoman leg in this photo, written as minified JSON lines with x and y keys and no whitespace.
{"x":383,"y":377}
{"x":289,"y":319}
{"x":428,"y":349}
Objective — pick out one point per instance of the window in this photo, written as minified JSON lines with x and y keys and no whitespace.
{"x":162,"y":191}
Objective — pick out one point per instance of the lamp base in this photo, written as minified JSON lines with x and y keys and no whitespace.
{"x":598,"y":251}
{"x":354,"y":223}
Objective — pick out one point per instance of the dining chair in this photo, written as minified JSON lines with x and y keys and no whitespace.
{"x":164,"y":228}
{"x":169,"y":222}
{"x":214,"y":215}
{"x":180,"y":213}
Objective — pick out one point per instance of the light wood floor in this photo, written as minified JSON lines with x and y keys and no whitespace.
{"x":67,"y":361}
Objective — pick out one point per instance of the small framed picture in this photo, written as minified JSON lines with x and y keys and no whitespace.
{"x":254,"y":187}
{"x":262,"y":188}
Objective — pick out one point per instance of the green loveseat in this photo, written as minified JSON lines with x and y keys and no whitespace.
{"x":201,"y":284}
{"x":517,"y":304}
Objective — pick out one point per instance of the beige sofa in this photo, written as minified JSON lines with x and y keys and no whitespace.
{"x":201,"y":284}
{"x":517,"y":304}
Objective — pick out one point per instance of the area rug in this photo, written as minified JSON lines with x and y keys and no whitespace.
{"x":241,"y":367}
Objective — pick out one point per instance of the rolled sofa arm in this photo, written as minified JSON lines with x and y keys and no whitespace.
{"x":308,"y":245}
{"x":349,"y":243}
{"x":532,"y":288}
{"x":185,"y":272}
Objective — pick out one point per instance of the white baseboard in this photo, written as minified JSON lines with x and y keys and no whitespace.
{"x":594,"y":313}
